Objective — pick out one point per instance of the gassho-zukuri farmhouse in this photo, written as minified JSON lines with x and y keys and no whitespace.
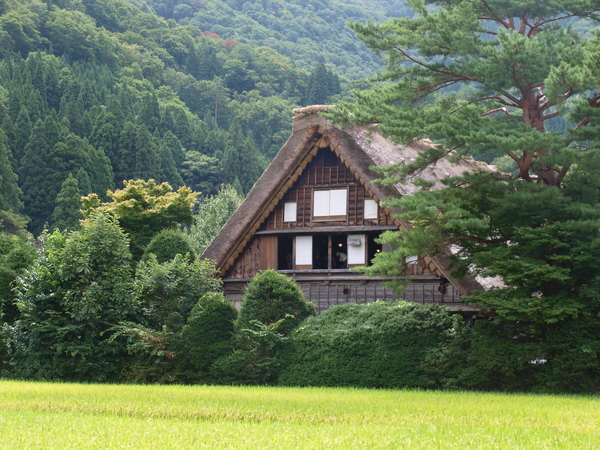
{"x":315,"y":213}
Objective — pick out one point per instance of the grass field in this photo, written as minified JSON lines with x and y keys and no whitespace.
{"x":49,"y":415}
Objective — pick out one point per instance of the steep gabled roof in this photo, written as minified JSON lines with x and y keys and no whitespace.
{"x":359,"y":148}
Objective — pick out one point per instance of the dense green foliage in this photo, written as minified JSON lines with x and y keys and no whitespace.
{"x":77,"y":289}
{"x":143,"y":208}
{"x":16,"y":255}
{"x":67,"y":212}
{"x":168,"y":243}
{"x":272,"y":307}
{"x":165,"y":294}
{"x":212,"y":213}
{"x":109,"y":91}
{"x":308,"y":32}
{"x":486,"y":79}
{"x":207,"y":336}
{"x":375,"y":345}
{"x":270,"y":297}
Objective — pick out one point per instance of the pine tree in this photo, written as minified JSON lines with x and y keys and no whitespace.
{"x":485,"y":78}
{"x":67,"y":212}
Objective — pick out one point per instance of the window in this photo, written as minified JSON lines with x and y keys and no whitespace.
{"x":330,"y":205}
{"x":289,"y":212}
{"x":370,"y":208}
{"x":304,"y":247}
{"x":356,"y":249}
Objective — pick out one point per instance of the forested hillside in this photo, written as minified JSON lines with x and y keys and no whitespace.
{"x":107,"y":90}
{"x":308,"y":31}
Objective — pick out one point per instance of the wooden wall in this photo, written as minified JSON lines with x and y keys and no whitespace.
{"x":322,"y":174}
{"x":325,"y":171}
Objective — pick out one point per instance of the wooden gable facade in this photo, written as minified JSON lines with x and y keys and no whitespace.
{"x":314,"y":215}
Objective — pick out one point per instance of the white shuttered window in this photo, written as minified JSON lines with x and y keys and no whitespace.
{"x":356,"y":248}
{"x":330,"y":205}
{"x":289,"y":212}
{"x":303,"y":250}
{"x":370,"y":209}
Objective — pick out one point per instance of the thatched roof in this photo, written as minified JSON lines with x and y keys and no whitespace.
{"x":360,"y":148}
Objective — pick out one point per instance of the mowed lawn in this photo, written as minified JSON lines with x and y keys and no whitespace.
{"x":57,"y":415}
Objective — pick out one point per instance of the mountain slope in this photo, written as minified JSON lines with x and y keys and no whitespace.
{"x":307,"y":31}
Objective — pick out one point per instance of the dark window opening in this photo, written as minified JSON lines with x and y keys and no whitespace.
{"x":320,"y":251}
{"x":339,"y":251}
{"x":285,"y":253}
{"x":372,"y":247}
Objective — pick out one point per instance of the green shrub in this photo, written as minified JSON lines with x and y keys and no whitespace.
{"x":16,"y":255}
{"x":572,"y":353}
{"x":168,"y":243}
{"x":257,"y":357}
{"x":207,"y":335}
{"x":503,"y":356}
{"x":373,"y":345}
{"x":270,"y":297}
{"x":494,"y":356}
{"x":172,"y":286}
{"x":272,"y":307}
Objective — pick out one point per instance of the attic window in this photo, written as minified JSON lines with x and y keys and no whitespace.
{"x":289,"y":212}
{"x":370,"y":209}
{"x":330,"y":205}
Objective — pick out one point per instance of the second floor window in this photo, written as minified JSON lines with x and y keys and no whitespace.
{"x":330,"y":204}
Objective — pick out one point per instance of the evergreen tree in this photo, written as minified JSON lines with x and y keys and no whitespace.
{"x":251,"y":165}
{"x":83,"y":181}
{"x":10,"y":194}
{"x":322,"y":84}
{"x":515,"y":65}
{"x":138,"y":155}
{"x":231,"y":161}
{"x":150,"y":114}
{"x":38,"y":193}
{"x":23,"y":130}
{"x":105,"y":136}
{"x":67,"y":212}
{"x":171,"y":174}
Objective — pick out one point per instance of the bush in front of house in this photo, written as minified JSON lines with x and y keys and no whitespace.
{"x":207,"y":335}
{"x":272,"y":307}
{"x":271,"y":297}
{"x":384,"y":345}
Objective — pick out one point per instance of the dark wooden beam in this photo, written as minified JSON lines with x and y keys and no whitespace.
{"x":334,"y":229}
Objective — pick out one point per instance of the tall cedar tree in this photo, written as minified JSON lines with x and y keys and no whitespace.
{"x":67,"y":212}
{"x":486,"y":78}
{"x":10,"y":194}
